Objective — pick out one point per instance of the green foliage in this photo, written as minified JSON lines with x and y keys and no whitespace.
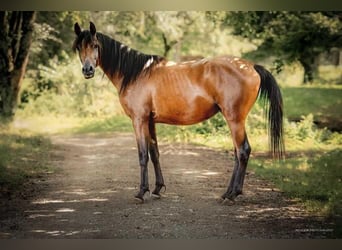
{"x":22,"y":156}
{"x":116,"y":123}
{"x":323,"y":102}
{"x":330,"y":75}
{"x":53,"y":36}
{"x":305,"y":134}
{"x":71,"y":95}
{"x":314,"y":177}
{"x":290,"y":36}
{"x":57,"y":99}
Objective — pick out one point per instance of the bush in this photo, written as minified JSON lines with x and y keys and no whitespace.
{"x":67,"y":93}
{"x":307,"y":131}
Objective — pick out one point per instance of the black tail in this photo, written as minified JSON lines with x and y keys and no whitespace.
{"x":270,"y":93}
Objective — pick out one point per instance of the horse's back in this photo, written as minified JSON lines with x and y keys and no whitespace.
{"x":190,"y":92}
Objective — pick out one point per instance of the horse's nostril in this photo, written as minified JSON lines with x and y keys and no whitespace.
{"x":88,"y":69}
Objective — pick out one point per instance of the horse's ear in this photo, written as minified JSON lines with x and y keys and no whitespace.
{"x":92,"y":29}
{"x":77,"y":29}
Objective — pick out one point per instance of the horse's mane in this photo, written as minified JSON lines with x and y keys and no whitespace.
{"x":115,"y":57}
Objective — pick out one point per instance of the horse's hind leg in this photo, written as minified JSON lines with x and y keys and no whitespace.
{"x":154,"y":153}
{"x":242,"y":152}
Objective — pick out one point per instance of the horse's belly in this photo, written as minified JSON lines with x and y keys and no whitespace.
{"x":184,"y":112}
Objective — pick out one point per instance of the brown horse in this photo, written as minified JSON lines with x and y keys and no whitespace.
{"x":152,"y":90}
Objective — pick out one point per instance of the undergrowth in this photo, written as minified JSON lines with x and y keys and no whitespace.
{"x":23,"y":155}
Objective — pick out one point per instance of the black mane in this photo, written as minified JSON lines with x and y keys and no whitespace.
{"x":115,"y":57}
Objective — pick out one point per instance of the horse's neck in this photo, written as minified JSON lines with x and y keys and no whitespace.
{"x":115,"y":78}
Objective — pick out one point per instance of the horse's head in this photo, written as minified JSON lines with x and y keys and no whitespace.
{"x":87,"y":47}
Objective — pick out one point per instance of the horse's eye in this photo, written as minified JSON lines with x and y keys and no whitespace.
{"x":95,"y":46}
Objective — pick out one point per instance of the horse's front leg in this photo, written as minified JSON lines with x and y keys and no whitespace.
{"x":143,"y":137}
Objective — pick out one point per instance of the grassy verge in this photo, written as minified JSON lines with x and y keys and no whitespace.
{"x":22,"y":156}
{"x":312,"y":178}
{"x":323,"y":102}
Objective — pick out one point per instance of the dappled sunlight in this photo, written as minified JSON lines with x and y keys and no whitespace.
{"x":56,"y":233}
{"x":304,"y":167}
{"x":96,"y":142}
{"x":94,"y":197}
{"x":77,"y":191}
{"x":191,"y":172}
{"x":180,"y":152}
{"x":34,"y":216}
{"x":69,"y":168}
{"x":266,"y":189}
{"x":51,"y":201}
{"x":61,"y":217}
{"x":210,"y":173}
{"x":262,"y":210}
{"x":196,"y":173}
{"x":47,"y":201}
{"x":65,"y":210}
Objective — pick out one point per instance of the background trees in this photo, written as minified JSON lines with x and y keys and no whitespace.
{"x":285,"y":37}
{"x":16,"y":30}
{"x":290,"y":36}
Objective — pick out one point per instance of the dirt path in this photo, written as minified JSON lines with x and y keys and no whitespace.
{"x":91,"y":196}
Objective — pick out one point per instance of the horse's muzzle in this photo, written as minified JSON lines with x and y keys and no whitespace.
{"x":88,"y":71}
{"x":89,"y":75}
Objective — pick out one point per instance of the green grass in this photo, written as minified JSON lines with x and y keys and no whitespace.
{"x":118,"y":123}
{"x":323,"y":102}
{"x":22,"y":156}
{"x":313,"y":178}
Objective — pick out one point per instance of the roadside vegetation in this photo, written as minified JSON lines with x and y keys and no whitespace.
{"x":55,"y":99}
{"x":310,"y":172}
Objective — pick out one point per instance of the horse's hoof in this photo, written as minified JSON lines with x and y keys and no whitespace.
{"x":220,"y":200}
{"x":139,"y":200}
{"x":156,"y":196}
{"x":158,"y":189}
{"x":228,"y":201}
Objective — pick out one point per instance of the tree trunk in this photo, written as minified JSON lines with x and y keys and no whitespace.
{"x":167,"y":45}
{"x":310,"y":66}
{"x":15,"y":41}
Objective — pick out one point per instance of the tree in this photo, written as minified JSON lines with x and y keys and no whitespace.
{"x":290,"y":36}
{"x":15,"y":40}
{"x":155,"y":32}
